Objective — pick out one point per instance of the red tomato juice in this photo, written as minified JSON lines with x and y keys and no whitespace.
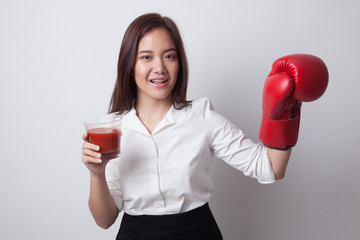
{"x":108,"y":139}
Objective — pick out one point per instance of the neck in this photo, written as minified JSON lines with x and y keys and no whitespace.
{"x":152,"y":106}
{"x":152,"y":111}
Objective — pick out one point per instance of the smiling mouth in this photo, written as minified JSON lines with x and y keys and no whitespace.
{"x":158,"y":81}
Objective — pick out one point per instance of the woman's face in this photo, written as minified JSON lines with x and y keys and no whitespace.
{"x":156,"y":66}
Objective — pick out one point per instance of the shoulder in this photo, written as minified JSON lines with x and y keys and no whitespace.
{"x":112,"y":116}
{"x":202,"y":104}
{"x":200,"y":108}
{"x":204,"y":107}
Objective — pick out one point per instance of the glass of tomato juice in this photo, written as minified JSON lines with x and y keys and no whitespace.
{"x":107,"y":135}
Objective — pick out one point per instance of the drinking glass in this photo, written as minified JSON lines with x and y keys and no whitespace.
{"x":106,"y":134}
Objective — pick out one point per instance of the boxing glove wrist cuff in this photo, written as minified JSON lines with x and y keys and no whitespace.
{"x":279,"y":134}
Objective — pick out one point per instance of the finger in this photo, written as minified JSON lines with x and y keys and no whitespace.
{"x":85,"y":136}
{"x":88,"y":152}
{"x":90,"y":160}
{"x":91,"y":146}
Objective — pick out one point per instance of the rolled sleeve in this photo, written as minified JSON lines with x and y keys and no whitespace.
{"x":112,"y":180}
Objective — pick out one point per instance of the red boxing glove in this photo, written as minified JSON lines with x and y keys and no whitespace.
{"x":293,"y":79}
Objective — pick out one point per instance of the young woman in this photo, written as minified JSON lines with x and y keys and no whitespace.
{"x":162,"y":180}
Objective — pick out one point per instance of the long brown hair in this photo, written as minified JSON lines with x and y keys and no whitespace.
{"x":125,"y":87}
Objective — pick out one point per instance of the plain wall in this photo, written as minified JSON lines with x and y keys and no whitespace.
{"x":58,"y":66}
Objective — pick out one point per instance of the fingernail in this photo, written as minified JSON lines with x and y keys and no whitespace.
{"x":97,"y":148}
{"x":98,"y":155}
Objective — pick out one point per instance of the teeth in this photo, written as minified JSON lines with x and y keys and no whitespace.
{"x":158,"y":81}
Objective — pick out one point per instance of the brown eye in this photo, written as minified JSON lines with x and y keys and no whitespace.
{"x":170,"y":56}
{"x":146,"y":57}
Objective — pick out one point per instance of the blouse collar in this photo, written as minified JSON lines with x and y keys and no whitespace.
{"x":131,"y":121}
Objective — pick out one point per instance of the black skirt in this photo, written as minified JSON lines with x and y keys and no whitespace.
{"x":197,"y":224}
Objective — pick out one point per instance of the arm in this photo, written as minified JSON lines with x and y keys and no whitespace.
{"x":101,"y":203}
{"x":279,"y":160}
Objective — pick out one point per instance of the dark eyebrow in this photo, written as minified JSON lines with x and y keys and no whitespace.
{"x":145,"y":51}
{"x":170,"y":49}
{"x":148,"y":51}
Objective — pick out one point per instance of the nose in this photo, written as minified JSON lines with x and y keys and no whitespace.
{"x":159,"y":66}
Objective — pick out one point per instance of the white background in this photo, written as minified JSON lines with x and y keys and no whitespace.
{"x":58,"y":67}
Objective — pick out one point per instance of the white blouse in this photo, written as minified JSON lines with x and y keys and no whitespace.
{"x":170,"y":170}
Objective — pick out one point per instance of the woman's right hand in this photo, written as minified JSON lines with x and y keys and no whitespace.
{"x":91,"y":157}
